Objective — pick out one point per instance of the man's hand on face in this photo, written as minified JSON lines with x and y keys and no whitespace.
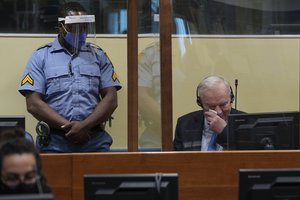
{"x":215,"y":122}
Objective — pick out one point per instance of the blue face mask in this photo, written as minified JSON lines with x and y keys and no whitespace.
{"x":76,"y":40}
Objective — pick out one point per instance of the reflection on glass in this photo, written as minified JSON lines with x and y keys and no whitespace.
{"x":240,"y":17}
{"x":221,"y":17}
{"x":267,"y":70}
{"x":149,"y":96}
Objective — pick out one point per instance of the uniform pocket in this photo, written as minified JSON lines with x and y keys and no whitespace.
{"x":57,"y":79}
{"x":89,"y":78}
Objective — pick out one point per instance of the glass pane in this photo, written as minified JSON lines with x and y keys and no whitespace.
{"x":116,"y":49}
{"x":149,"y":77}
{"x":239,"y":17}
{"x":40,"y":16}
{"x":192,"y":16}
{"x":263,"y":71}
{"x":14,"y":103}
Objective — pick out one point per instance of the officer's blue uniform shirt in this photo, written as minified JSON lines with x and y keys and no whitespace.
{"x":70,"y":83}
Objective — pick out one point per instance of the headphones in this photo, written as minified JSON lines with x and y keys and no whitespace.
{"x":199,"y":102}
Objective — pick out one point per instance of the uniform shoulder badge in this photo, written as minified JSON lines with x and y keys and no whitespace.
{"x":27,"y":79}
{"x":114,"y":76}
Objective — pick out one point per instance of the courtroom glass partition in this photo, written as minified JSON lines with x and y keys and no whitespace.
{"x":253,"y":44}
{"x":149,"y":93}
{"x":194,"y":16}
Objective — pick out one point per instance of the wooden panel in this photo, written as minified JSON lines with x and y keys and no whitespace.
{"x":58,"y":171}
{"x":165,"y":19}
{"x":132,"y":76}
{"x":202,"y":175}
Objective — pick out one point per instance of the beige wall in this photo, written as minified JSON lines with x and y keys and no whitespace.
{"x":267,"y":70}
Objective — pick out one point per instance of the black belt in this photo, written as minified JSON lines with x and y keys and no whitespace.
{"x":93,"y":130}
{"x":97,"y":128}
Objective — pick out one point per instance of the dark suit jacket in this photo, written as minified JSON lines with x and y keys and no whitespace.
{"x":189,"y":128}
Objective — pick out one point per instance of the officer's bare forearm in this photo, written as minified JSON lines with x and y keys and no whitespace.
{"x":104,"y":109}
{"x":41,"y":111}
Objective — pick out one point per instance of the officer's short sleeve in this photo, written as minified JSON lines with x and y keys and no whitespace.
{"x":33,"y":78}
{"x":109,"y":77}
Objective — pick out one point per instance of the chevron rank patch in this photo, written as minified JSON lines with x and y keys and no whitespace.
{"x":114,"y":76}
{"x":27,"y":79}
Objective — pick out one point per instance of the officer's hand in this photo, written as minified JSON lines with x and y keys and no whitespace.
{"x":215,"y":122}
{"x":77,"y":132}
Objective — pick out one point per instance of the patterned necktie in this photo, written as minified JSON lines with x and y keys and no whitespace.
{"x":212,"y":146}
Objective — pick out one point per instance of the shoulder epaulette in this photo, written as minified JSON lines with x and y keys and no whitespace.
{"x":44,"y":46}
{"x":95,"y":46}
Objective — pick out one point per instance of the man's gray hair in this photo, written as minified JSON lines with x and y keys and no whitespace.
{"x":211,"y":81}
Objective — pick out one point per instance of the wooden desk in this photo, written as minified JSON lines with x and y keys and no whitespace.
{"x":58,"y":171}
{"x":202,"y":175}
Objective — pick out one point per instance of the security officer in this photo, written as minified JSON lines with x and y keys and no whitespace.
{"x":71,"y":85}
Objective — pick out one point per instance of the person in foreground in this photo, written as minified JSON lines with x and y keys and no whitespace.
{"x":16,"y":132}
{"x":71,"y":85}
{"x":206,"y":129}
{"x":21,"y":168}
